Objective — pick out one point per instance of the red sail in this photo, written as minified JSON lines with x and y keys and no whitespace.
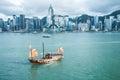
{"x":33,"y":53}
{"x":60,"y":50}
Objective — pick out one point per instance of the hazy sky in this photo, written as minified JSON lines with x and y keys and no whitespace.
{"x":65,"y":7}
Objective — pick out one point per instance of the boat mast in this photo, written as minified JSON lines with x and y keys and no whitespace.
{"x":30,"y":46}
{"x":43,"y":49}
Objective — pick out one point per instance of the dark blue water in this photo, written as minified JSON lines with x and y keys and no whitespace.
{"x":87,"y":56}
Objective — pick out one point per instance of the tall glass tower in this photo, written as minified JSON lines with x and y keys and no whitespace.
{"x":50,"y":19}
{"x":22,"y":21}
{"x":50,"y":11}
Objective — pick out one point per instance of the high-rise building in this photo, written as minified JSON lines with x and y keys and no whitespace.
{"x":111,"y":18}
{"x":27,"y":25}
{"x":8,"y":24}
{"x":96,"y":21}
{"x":36,"y":23}
{"x":8,"y":21}
{"x":30,"y":25}
{"x":100,"y":25}
{"x":56,"y":22}
{"x":89,"y":23}
{"x":50,"y":11}
{"x":61,"y":20}
{"x":70,"y":26}
{"x":15,"y":23}
{"x":1,"y":23}
{"x":22,"y":22}
{"x":118,"y":17}
{"x":50,"y":20}
{"x":106,"y":24}
{"x":14,"y":20}
{"x":83,"y":27}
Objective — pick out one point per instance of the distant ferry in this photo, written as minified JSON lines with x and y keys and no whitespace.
{"x":48,"y":57}
{"x":46,"y":36}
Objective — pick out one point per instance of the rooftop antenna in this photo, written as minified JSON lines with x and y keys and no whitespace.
{"x":51,"y":2}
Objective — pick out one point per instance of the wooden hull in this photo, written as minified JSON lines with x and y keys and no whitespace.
{"x":46,"y":61}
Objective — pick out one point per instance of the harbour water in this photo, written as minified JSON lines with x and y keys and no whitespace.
{"x":87,"y":56}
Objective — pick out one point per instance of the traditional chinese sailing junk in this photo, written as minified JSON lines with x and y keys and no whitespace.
{"x":48,"y":57}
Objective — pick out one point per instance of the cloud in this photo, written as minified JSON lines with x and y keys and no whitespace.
{"x":65,"y":7}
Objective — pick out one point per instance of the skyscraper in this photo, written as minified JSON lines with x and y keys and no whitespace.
{"x":14,"y":20}
{"x":22,"y":21}
{"x":106,"y":24}
{"x":36,"y":23}
{"x":96,"y":21}
{"x":118,"y":17}
{"x":1,"y":23}
{"x":14,"y":24}
{"x":111,"y":21}
{"x":50,"y":11}
{"x":50,"y":16}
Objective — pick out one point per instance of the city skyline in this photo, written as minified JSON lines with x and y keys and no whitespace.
{"x":39,"y":7}
{"x":53,"y":22}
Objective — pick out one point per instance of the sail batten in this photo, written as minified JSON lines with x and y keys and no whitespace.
{"x":33,"y":53}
